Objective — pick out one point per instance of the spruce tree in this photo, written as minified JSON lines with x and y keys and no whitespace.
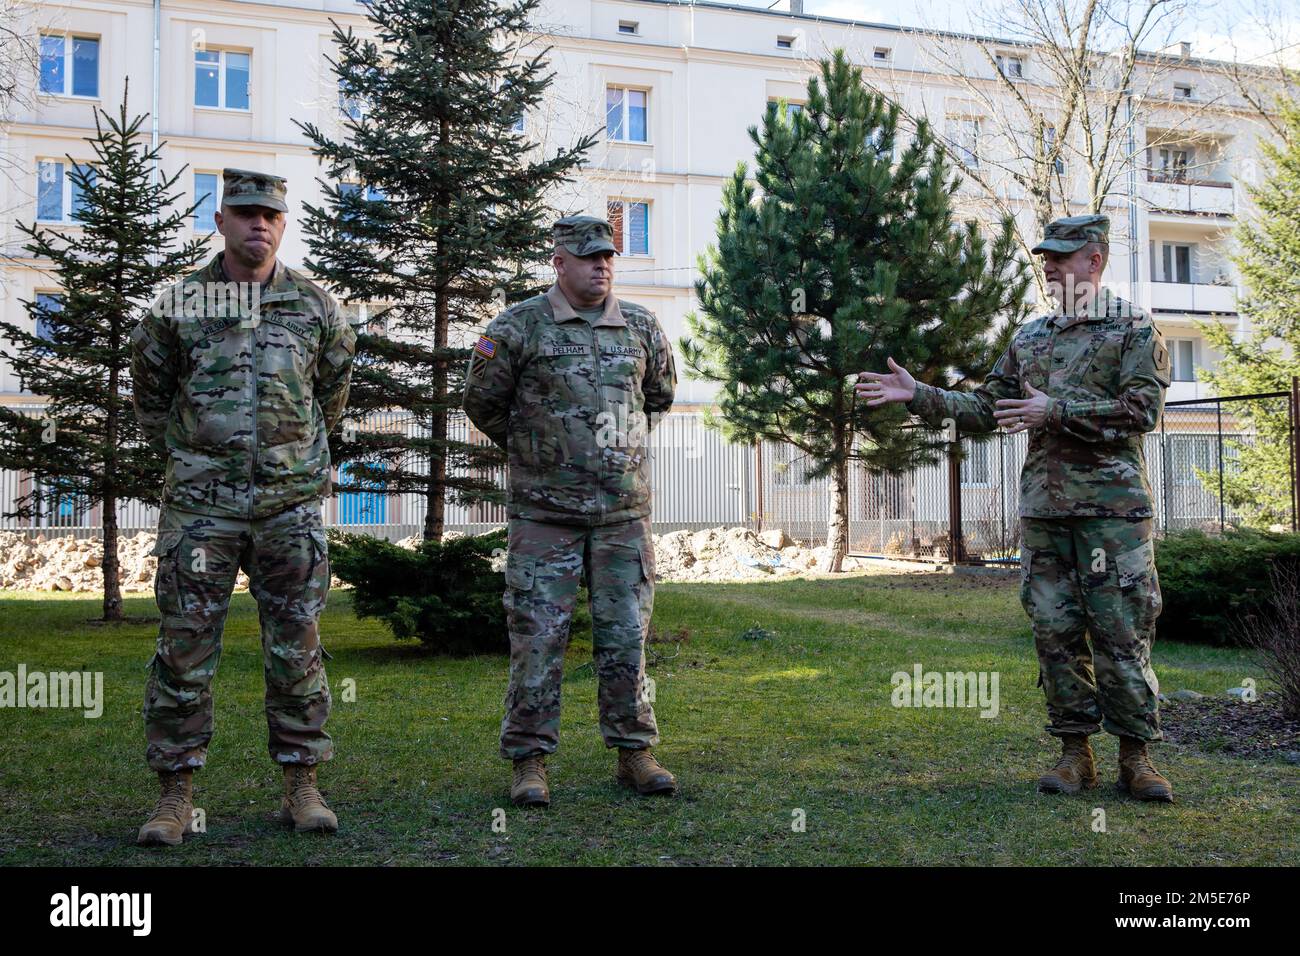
{"x":1269,"y":262}
{"x":838,"y":254}
{"x":87,"y":443}
{"x":451,"y":224}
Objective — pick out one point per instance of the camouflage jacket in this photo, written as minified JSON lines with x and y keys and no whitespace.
{"x":1105,"y":372}
{"x":569,"y":402}
{"x":241,"y":405}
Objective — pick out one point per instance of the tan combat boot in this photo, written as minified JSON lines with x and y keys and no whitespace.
{"x":1075,"y":771}
{"x":173,"y":813}
{"x":529,"y":787}
{"x":1138,"y":776}
{"x":303,"y":805}
{"x":639,"y":768}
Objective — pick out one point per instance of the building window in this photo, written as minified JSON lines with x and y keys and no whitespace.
{"x":631,"y":223}
{"x":881,"y":54}
{"x":47,"y":304}
{"x":790,"y":108}
{"x":964,"y":135}
{"x":205,"y":194}
{"x":1184,"y":356}
{"x":58,"y":196}
{"x":58,"y":506}
{"x":354,"y":189}
{"x":1049,"y":143}
{"x":630,"y":27}
{"x":1182,"y":91}
{"x":1174,"y":263}
{"x":1172,"y":164}
{"x":1010,"y":66}
{"x":350,"y":105}
{"x":625,"y":114}
{"x":785,"y":43}
{"x":69,"y":65}
{"x":221,"y":79}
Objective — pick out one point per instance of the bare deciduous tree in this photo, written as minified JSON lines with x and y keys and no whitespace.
{"x":1051,"y":117}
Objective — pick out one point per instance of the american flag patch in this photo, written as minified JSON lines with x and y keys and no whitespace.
{"x":485,"y":346}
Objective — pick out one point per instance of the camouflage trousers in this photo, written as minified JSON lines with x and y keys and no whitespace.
{"x":1093,"y":577}
{"x":199,"y":557}
{"x":543,"y":567}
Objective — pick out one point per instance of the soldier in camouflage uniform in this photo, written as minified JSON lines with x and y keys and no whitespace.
{"x":1087,"y":382}
{"x":240,"y":371}
{"x":564,"y":382}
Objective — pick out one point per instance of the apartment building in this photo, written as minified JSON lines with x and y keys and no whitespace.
{"x":676,"y":86}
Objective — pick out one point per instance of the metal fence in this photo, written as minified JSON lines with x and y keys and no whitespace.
{"x":962,"y":508}
{"x":965,"y":507}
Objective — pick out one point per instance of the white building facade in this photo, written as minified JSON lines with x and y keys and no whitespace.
{"x":677,"y":85}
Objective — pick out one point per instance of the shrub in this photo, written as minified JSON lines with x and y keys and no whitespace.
{"x":445,"y":595}
{"x":1278,"y":638}
{"x":1211,"y":584}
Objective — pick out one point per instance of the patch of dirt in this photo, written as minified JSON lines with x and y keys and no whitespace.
{"x":1253,"y":731}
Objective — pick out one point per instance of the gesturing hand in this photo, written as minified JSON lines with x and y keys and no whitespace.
{"x":1021,"y":414}
{"x":881,"y":387}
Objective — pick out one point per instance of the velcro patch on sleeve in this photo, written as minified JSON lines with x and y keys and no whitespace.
{"x":486,"y":347}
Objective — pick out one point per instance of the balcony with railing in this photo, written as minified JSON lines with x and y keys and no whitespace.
{"x":1186,"y":297}
{"x":1176,"y":194}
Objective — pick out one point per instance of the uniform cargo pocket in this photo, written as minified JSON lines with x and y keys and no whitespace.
{"x":167,"y":579}
{"x":647,"y":551}
{"x":167,"y":542}
{"x":1026,"y":568}
{"x":1136,"y":567}
{"x":321,"y":549}
{"x":520,"y":570}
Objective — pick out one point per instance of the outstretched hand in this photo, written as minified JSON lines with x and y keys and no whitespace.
{"x":1021,"y":414}
{"x":896,"y":385}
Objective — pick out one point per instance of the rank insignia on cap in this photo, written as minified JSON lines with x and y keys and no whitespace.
{"x":485,"y":347}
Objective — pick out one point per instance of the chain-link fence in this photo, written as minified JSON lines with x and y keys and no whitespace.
{"x":1212,"y":463}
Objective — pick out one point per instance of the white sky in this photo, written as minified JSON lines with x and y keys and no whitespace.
{"x":1218,"y":29}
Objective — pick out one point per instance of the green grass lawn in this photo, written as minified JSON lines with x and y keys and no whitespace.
{"x":754,"y":730}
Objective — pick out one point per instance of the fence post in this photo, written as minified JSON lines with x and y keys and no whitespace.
{"x":1164,"y":468}
{"x":954,"y":499}
{"x":758,"y":483}
{"x":1218,"y":412}
{"x":1295,"y":452}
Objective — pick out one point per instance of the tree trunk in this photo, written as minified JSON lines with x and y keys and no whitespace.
{"x":112,"y":587}
{"x":435,"y":517}
{"x":837,"y":537}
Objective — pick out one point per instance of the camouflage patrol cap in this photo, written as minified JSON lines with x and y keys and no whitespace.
{"x":1073,"y":233}
{"x":243,"y":187}
{"x":584,"y":235}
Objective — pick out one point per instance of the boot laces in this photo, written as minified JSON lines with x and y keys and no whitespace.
{"x":1073,"y":756}
{"x":302,"y":790}
{"x":641,"y":761}
{"x":1141,"y":765}
{"x":527,"y":767}
{"x":171,"y":804}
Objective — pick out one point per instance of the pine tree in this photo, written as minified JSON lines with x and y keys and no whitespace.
{"x":1269,"y":262}
{"x":87,"y":445}
{"x":834,"y":257}
{"x":451,"y":226}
